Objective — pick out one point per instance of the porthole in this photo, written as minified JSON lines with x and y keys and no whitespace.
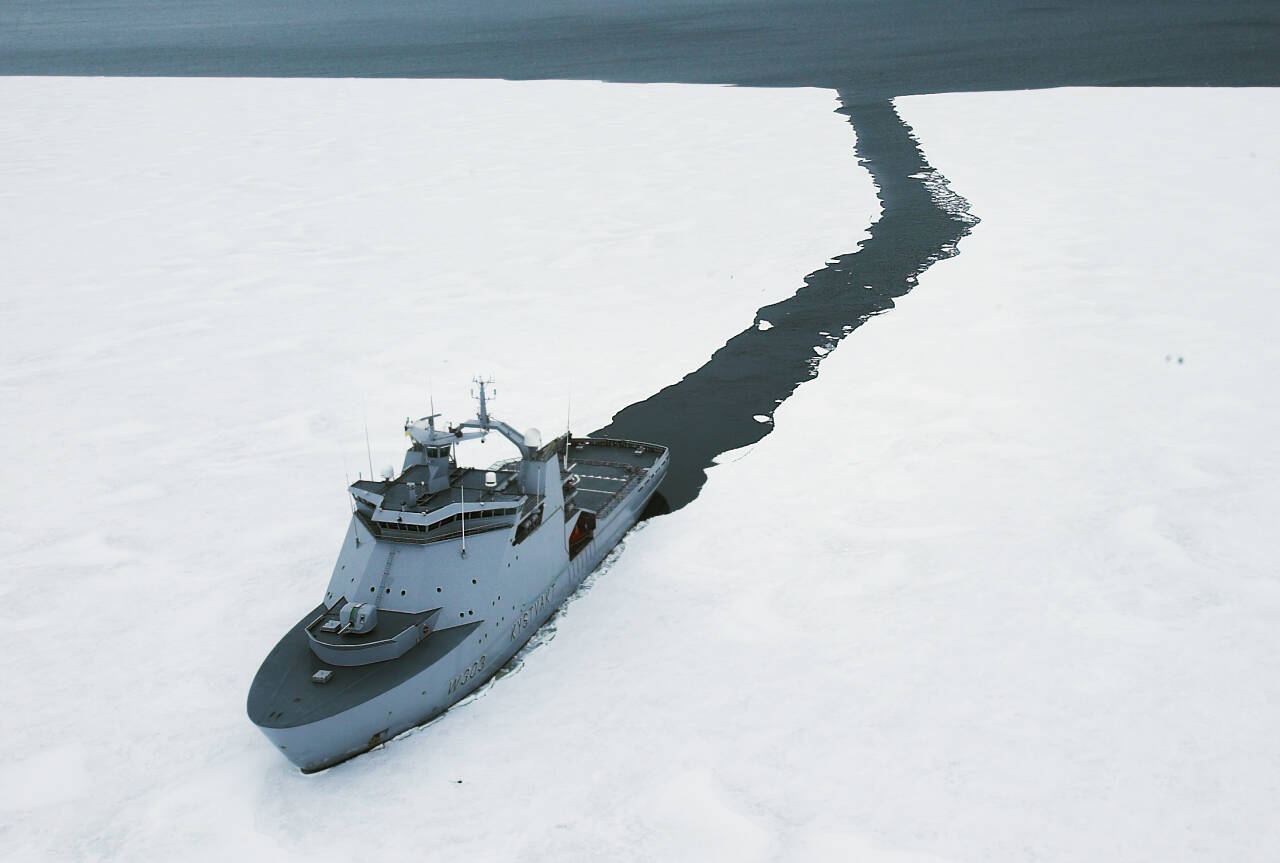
{"x":473,"y":581}
{"x":437,"y":590}
{"x":402,"y":593}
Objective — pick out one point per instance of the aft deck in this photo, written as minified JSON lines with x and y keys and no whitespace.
{"x":606,"y":471}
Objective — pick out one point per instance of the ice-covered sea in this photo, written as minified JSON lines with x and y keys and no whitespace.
{"x":1000,"y":585}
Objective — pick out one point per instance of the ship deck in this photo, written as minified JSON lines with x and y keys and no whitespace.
{"x":606,"y":470}
{"x":282,"y":694}
{"x":465,"y":484}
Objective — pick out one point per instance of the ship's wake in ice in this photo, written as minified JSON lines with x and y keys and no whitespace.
{"x":728,"y":402}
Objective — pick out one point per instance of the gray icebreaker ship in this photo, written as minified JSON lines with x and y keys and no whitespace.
{"x":445,"y":572}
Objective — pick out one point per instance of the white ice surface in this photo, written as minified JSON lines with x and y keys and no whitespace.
{"x":1014,"y":595}
{"x":1000,"y":585}
{"x":203,"y":281}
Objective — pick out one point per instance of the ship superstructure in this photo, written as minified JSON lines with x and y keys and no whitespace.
{"x":444,"y":573}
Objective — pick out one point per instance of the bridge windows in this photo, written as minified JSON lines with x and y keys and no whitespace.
{"x":454,"y":521}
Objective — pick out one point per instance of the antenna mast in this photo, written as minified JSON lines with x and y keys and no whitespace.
{"x":368,"y":448}
{"x":568,"y":408}
{"x":346,"y":474}
{"x":484,"y":397}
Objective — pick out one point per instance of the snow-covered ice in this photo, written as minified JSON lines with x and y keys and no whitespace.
{"x":207,"y":282}
{"x":1000,"y":585}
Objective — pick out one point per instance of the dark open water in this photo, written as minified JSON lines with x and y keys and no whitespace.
{"x":712,"y":409}
{"x":867,"y":50}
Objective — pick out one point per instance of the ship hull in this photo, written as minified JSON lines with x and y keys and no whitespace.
{"x":468,"y":656}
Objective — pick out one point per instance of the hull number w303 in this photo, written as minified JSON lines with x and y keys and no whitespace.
{"x":471,"y":673}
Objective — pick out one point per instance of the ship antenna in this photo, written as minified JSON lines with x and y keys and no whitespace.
{"x":568,"y":409}
{"x":484,"y":397}
{"x":346,"y":474}
{"x":368,"y":448}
